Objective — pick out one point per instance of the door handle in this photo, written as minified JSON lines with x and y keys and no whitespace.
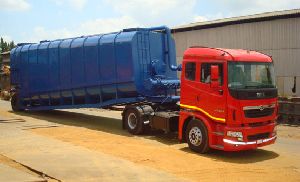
{"x":221,"y":92}
{"x":198,"y":98}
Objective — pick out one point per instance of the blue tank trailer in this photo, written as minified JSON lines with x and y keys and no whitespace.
{"x":134,"y":67}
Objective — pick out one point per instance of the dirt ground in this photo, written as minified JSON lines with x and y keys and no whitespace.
{"x":100,"y":130}
{"x":12,"y":163}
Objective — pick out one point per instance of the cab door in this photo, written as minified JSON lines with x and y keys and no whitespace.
{"x":189,"y":81}
{"x":211,"y":99}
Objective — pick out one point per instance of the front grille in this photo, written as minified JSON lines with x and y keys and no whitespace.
{"x":250,"y":94}
{"x":256,"y":124}
{"x":256,"y":113}
{"x":258,"y":136}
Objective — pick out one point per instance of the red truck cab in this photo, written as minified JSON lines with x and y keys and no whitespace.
{"x":228,"y":99}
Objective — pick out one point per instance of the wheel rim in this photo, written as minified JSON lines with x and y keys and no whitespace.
{"x":195,"y":136}
{"x":132,"y":121}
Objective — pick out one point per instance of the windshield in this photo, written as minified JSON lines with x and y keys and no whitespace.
{"x":244,"y":75}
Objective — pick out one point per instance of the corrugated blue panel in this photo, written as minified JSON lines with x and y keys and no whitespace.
{"x":13,"y":80}
{"x":100,"y":69}
{"x":156,"y":52}
{"x":13,"y":66}
{"x":42,"y":64}
{"x":107,"y":59}
{"x":124,"y":65}
{"x":125,"y":72}
{"x":54,"y":73}
{"x":23,"y":70}
{"x":33,"y":69}
{"x":77,"y":62}
{"x":92,"y":61}
{"x":65,"y":64}
{"x":108,"y":67}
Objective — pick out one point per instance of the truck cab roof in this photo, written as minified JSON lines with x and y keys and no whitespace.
{"x":239,"y":55}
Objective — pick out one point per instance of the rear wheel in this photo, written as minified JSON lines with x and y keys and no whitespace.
{"x":197,"y":136}
{"x":133,"y":122}
{"x":15,"y":103}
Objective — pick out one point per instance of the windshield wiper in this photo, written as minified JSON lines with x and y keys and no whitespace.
{"x":266,"y":86}
{"x":259,"y":86}
{"x":252,"y":86}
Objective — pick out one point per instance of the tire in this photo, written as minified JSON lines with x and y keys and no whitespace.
{"x":133,"y":122}
{"x":196,"y":136}
{"x":15,"y":103}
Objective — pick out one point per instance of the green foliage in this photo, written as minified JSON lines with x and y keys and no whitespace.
{"x":5,"y":46}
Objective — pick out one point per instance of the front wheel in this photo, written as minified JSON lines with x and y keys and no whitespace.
{"x":133,"y":121}
{"x":197,"y":136}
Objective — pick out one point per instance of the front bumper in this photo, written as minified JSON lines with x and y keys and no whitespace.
{"x":233,"y":144}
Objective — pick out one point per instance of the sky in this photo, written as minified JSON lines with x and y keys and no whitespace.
{"x":36,"y":20}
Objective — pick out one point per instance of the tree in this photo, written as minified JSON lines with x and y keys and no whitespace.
{"x":5,"y":46}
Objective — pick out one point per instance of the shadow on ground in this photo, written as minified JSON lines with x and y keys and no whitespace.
{"x":99,"y":123}
{"x":114,"y":126}
{"x":240,"y":157}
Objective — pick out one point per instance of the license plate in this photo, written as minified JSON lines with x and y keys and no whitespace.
{"x":259,"y":141}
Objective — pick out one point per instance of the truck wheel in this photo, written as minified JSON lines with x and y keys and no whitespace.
{"x":15,"y":103}
{"x":133,"y":122}
{"x":197,"y":136}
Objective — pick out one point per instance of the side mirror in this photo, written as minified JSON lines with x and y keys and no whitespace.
{"x":214,"y":76}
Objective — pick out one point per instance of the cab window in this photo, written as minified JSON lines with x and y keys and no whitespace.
{"x":205,"y":72}
{"x":190,"y":71}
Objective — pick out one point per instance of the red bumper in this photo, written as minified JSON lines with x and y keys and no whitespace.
{"x":231,"y":145}
{"x":253,"y":137}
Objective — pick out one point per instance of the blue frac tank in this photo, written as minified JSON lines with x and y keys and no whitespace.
{"x":133,"y":65}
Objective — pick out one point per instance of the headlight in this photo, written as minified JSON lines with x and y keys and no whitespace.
{"x":275,"y":131}
{"x":236,"y":134}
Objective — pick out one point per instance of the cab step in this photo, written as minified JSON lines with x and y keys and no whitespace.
{"x":218,"y":147}
{"x":218,"y":133}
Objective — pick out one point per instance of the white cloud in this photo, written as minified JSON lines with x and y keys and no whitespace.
{"x":14,"y":5}
{"x":242,"y":7}
{"x":146,"y":13}
{"x":58,"y":2}
{"x":131,"y":13}
{"x":232,"y":8}
{"x":96,"y":26}
{"x":40,"y":33}
{"x":209,"y":17}
{"x":200,"y":19}
{"x":75,"y":4}
{"x":6,"y":38}
{"x":107,"y":25}
{"x":155,"y":12}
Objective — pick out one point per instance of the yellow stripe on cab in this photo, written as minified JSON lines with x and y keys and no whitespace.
{"x":201,"y":110}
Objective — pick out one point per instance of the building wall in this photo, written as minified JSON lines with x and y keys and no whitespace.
{"x":278,"y":38}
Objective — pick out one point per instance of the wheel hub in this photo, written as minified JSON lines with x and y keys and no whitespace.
{"x":132,"y":121}
{"x":195,"y":136}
